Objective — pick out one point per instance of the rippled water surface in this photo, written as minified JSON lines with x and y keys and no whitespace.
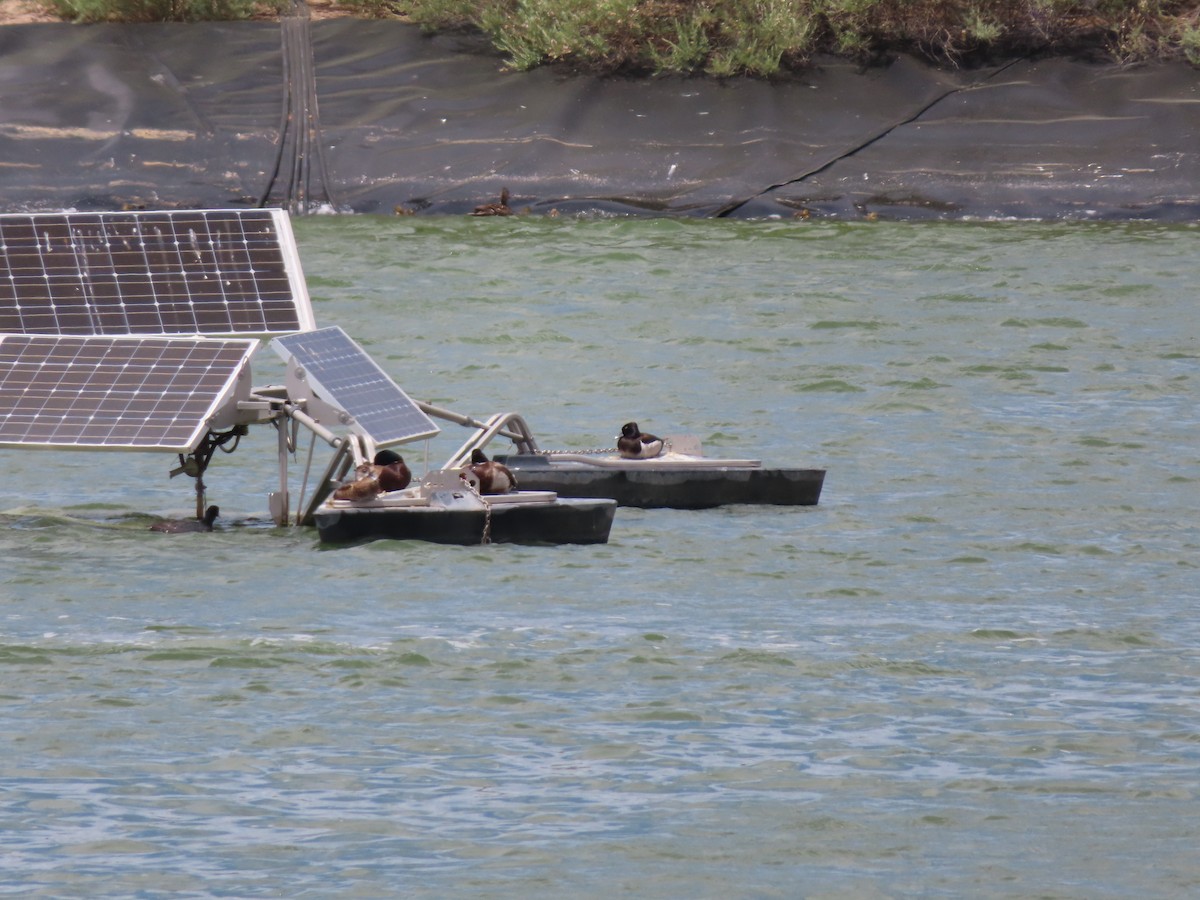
{"x":972,"y":670}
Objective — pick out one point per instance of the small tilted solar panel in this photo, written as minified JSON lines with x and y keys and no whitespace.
{"x":342,"y":374}
{"x":213,"y":272}
{"x":117,"y":393}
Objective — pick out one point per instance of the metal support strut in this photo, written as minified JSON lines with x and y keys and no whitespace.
{"x":195,"y":464}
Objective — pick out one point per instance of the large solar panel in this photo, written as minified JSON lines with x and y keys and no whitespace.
{"x":214,"y":272}
{"x":116,"y":393}
{"x":342,"y":373}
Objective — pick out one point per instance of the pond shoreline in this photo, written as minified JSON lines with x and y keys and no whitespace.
{"x":375,"y":117}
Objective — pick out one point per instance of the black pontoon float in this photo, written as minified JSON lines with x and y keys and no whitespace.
{"x":680,"y":478}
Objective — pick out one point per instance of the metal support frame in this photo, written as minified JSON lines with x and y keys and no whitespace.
{"x":288,"y":414}
{"x":520,"y":434}
{"x":509,"y":425}
{"x":290,"y":406}
{"x":196,"y":463}
{"x":339,"y":467}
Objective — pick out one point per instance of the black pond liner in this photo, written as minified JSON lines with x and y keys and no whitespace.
{"x":375,"y":117}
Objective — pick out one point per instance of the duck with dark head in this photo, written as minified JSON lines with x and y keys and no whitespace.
{"x":185,"y":526}
{"x":495,"y":209}
{"x":633,"y":443}
{"x":386,"y":472}
{"x":493,"y":477}
{"x":391,"y":470}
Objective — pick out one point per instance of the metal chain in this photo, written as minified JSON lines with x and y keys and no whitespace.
{"x":601,"y":451}
{"x":487,"y":511}
{"x":594,"y":452}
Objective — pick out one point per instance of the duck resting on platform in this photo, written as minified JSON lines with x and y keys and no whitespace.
{"x":495,"y":209}
{"x":636,"y":444}
{"x":387,"y":472}
{"x":493,"y":477}
{"x":185,"y":526}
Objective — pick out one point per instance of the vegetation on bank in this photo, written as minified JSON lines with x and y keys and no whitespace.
{"x":756,"y":37}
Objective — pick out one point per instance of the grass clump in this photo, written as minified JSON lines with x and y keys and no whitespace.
{"x":554,"y":30}
{"x":163,"y":10}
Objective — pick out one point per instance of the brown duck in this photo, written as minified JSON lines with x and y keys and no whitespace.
{"x":493,"y":477}
{"x":387,"y":472}
{"x":495,"y":209}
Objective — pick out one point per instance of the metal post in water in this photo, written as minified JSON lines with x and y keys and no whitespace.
{"x":200,"y":494}
{"x":278,"y":501}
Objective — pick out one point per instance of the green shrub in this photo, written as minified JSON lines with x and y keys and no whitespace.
{"x":530,"y":32}
{"x":684,"y":45}
{"x":1189,"y":43}
{"x":161,"y":10}
{"x":756,"y":37}
{"x":373,"y":9}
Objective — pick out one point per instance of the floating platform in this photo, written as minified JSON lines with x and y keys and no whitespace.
{"x":672,"y":480}
{"x":682,"y":477}
{"x":450,"y":516}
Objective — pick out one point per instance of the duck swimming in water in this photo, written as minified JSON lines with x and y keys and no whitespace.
{"x":184,"y":526}
{"x":495,"y":209}
{"x":493,"y":477}
{"x":387,"y":472}
{"x":636,"y":444}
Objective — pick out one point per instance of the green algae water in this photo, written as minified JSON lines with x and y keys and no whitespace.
{"x":972,"y":670}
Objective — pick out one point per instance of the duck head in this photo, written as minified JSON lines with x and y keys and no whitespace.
{"x":387,"y":458}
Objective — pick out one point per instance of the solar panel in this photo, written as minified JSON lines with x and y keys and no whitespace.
{"x":117,"y":393}
{"x":215,"y":272}
{"x":341,"y":372}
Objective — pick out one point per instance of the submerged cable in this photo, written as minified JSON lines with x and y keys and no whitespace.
{"x":299,"y":125}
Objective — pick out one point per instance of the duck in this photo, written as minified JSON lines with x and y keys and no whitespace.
{"x":493,"y":477}
{"x":386,"y":472}
{"x":636,"y":444}
{"x":391,"y":470}
{"x":184,"y":526}
{"x":495,"y":209}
